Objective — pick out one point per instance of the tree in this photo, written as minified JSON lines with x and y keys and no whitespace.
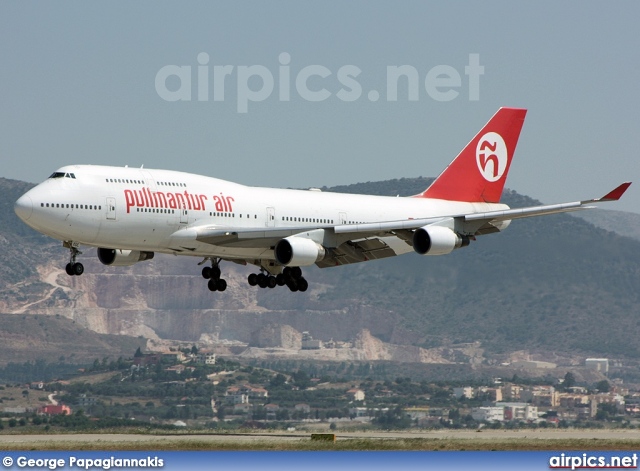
{"x":603,"y":386}
{"x":278,"y":380}
{"x":301,"y":379}
{"x":569,"y":380}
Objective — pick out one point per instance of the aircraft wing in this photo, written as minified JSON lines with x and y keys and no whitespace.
{"x":493,"y":217}
{"x":352,"y":243}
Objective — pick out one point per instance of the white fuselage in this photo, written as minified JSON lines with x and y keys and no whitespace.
{"x":145,"y":209}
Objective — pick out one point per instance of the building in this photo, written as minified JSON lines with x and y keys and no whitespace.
{"x":488,"y":414}
{"x":242,"y":409}
{"x":84,"y":400}
{"x":236,"y":398}
{"x":597,"y":364}
{"x":570,"y":401}
{"x":417,"y":413}
{"x":174,"y":356}
{"x":466,"y":392}
{"x":178,"y":369}
{"x":355,"y":394}
{"x":56,"y":410}
{"x":519,"y":411}
{"x":303,"y":408}
{"x":609,"y":398}
{"x":511,"y":391}
{"x":539,"y":396}
{"x":206,"y":358}
{"x":489,"y":394}
{"x":532,"y":365}
{"x":255,"y":393}
{"x":272,"y":411}
{"x":147,"y":359}
{"x":309,"y":343}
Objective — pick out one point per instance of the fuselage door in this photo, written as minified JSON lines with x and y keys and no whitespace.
{"x":343,"y":218}
{"x":184,"y":214}
{"x":271,"y":217}
{"x":111,"y":208}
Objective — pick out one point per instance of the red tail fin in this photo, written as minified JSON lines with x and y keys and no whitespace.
{"x":478,"y":173}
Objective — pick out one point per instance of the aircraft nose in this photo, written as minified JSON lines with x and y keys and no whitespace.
{"x":23,"y":207}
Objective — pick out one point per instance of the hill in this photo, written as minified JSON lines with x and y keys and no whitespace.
{"x":32,"y":337}
{"x":550,"y":284}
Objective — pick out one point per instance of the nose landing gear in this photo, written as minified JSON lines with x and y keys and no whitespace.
{"x":73,"y":268}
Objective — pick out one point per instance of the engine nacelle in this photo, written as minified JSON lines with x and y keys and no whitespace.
{"x":437,"y":240}
{"x":122,"y":258}
{"x":298,"y":252}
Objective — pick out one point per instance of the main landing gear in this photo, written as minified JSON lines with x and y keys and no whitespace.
{"x":290,"y":276}
{"x":73,"y":268}
{"x":212,"y":274}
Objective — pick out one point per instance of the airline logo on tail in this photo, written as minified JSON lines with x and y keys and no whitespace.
{"x":491,"y":156}
{"x":479,"y":171}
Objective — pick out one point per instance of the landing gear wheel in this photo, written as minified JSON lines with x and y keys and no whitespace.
{"x":302,"y":284}
{"x":280,"y":279}
{"x":215,"y":272}
{"x":296,"y":272}
{"x":206,"y":273}
{"x":271,"y":282}
{"x":73,"y":268}
{"x":213,"y":285}
{"x":293,"y":286}
{"x":78,"y":268}
{"x":222,"y":285}
{"x":252,"y":279}
{"x":262,"y":280}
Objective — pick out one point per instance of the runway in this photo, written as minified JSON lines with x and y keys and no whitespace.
{"x":290,"y":440}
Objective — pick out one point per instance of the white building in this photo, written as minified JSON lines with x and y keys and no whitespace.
{"x":597,"y":364}
{"x":519,"y":411}
{"x":466,"y":392}
{"x":488,"y":414}
{"x":355,"y":394}
{"x":237,"y":398}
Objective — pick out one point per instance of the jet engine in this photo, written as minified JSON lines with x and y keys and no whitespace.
{"x":298,"y":252}
{"x":122,"y":258}
{"x":437,"y":240}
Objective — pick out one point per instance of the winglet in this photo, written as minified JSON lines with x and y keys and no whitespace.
{"x":615,"y":195}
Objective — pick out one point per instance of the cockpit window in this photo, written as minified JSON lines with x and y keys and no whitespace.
{"x":62,"y":175}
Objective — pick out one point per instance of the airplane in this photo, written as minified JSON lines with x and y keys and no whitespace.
{"x":129,"y":214}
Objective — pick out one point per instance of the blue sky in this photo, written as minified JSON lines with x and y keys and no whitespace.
{"x":78,"y":85}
